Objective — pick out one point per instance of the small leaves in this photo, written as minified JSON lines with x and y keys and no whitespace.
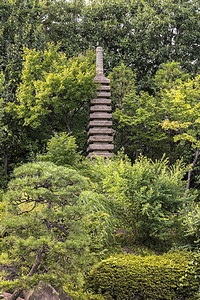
{"x":50,"y":81}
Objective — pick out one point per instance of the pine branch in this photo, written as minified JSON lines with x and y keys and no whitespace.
{"x":35,"y":265}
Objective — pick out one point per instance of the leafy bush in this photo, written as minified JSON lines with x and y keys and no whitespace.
{"x":81,"y":295}
{"x":145,"y":197}
{"x":191,"y":225}
{"x":150,"y":277}
{"x":61,"y":150}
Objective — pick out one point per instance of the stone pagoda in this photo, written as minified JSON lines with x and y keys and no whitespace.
{"x":100,"y":134}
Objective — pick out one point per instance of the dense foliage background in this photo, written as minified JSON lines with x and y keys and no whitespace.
{"x":61,"y":213}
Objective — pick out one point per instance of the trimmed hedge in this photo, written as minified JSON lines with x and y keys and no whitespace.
{"x":166,"y":277}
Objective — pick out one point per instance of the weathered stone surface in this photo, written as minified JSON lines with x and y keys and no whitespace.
{"x":100,"y":115}
{"x":100,"y":108}
{"x":100,"y":101}
{"x":8,"y":295}
{"x":100,"y":130}
{"x":99,"y":60}
{"x":100,"y":138}
{"x":99,"y":78}
{"x":45,"y":291}
{"x":104,"y":154}
{"x":101,"y":123}
{"x":104,"y":94}
{"x":63,"y":295}
{"x":103,"y":88}
{"x":100,"y":146}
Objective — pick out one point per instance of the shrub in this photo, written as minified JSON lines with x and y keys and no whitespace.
{"x":145,"y":197}
{"x":80,"y":295}
{"x":191,"y":224}
{"x":61,"y":150}
{"x":150,"y":277}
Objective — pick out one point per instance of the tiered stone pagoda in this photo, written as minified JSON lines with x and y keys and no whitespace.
{"x":100,"y":134}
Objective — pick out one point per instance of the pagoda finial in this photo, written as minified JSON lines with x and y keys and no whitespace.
{"x":99,"y":61}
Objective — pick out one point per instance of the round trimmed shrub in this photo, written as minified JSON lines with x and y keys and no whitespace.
{"x":166,"y":277}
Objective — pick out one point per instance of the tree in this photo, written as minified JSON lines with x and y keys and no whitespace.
{"x":63,"y":23}
{"x":144,"y":34}
{"x":137,"y":116}
{"x":54,"y":89}
{"x":183,"y":114}
{"x":21,"y":25}
{"x":42,"y":235}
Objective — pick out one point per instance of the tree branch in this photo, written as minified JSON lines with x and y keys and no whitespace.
{"x":190,"y":171}
{"x":27,"y":211}
{"x":35,"y":265}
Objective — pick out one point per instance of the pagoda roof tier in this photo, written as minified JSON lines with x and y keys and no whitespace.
{"x":100,"y":131}
{"x":103,"y":94}
{"x":100,"y":101}
{"x":100,"y":146}
{"x":104,"y":154}
{"x":100,"y":123}
{"x":102,"y":79}
{"x":100,"y":115}
{"x":100,"y":138}
{"x":100,"y":108}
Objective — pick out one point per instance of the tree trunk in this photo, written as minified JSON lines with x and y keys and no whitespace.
{"x":36,"y":264}
{"x":67,"y":122}
{"x":190,"y":171}
{"x":16,"y":294}
{"x":6,"y":158}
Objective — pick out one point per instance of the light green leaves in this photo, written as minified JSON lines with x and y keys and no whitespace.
{"x":51,"y":83}
{"x":183,"y":110}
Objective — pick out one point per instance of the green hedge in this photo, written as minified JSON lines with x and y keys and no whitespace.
{"x":151,"y":277}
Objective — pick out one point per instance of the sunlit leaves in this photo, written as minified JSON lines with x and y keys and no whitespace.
{"x":184,"y":110}
{"x":53,"y":83}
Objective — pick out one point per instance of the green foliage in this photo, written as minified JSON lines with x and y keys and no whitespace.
{"x":122,"y":83}
{"x":191,"y":225}
{"x":179,"y":101}
{"x":63,"y":23}
{"x":194,"y":267}
{"x":169,"y":76}
{"x":61,"y":150}
{"x":145,"y":198}
{"x":52,"y":97}
{"x":53,"y":83}
{"x":138,"y":115}
{"x":42,"y":233}
{"x":21,"y":24}
{"x":139,"y":129}
{"x":99,"y":222}
{"x":144,"y":34}
{"x":83,"y":295}
{"x":149,"y":277}
{"x":2,"y":205}
{"x":184,"y":111}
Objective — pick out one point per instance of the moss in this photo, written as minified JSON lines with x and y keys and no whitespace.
{"x":151,"y":277}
